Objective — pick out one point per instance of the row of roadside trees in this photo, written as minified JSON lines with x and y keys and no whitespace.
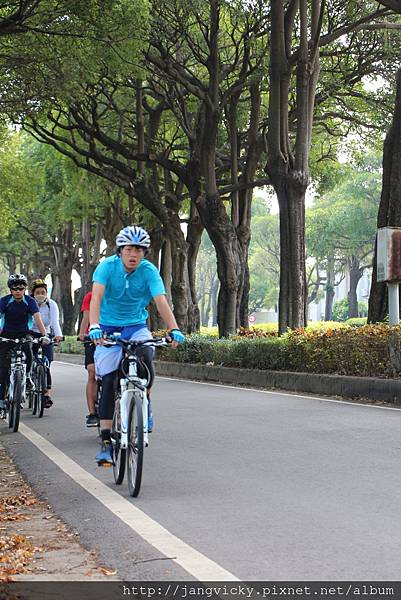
{"x":62,"y":219}
{"x":181,"y":120}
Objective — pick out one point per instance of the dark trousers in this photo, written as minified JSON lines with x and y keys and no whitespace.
{"x":5,"y":358}
{"x":111,"y":380}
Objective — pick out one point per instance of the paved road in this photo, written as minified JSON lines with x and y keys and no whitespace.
{"x":259,"y":485}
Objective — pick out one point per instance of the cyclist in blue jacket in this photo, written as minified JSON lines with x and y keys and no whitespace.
{"x":17,"y":311}
{"x":123,"y":286}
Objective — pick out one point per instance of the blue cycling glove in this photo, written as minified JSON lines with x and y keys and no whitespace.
{"x":177,"y":335}
{"x":95,"y":333}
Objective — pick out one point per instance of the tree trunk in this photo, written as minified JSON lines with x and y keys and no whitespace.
{"x":11,"y":263}
{"x":230,"y":266}
{"x":158,"y":258}
{"x":390,"y":204}
{"x":194,"y":238}
{"x":170,"y":219}
{"x":91,"y":238}
{"x":215,"y":290}
{"x":328,"y":309}
{"x":155,"y":320}
{"x":293,"y":289}
{"x":289,"y":150}
{"x":179,"y":278}
{"x":355,"y":274}
{"x":203,"y":309}
{"x":63,"y":296}
{"x":244,"y":304}
{"x":64,"y":259}
{"x":113,"y":221}
{"x":166,"y":268}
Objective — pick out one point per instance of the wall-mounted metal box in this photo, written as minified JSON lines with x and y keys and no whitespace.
{"x":389,"y":254}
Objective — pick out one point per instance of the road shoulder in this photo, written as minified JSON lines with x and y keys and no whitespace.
{"x":35,"y":544}
{"x":364,"y":390}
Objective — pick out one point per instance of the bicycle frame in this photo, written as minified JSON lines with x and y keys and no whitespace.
{"x":138,"y":385}
{"x":17,"y":363}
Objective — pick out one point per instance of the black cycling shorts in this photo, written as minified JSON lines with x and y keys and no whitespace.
{"x":89,"y":354}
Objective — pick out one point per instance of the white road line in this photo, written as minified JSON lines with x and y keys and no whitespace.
{"x":274,"y":393}
{"x":195,"y":563}
{"x":286,"y":394}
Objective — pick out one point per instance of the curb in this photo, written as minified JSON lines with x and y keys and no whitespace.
{"x":76,"y":359}
{"x":385,"y":390}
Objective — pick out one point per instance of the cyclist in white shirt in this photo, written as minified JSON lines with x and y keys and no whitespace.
{"x":51,"y":319}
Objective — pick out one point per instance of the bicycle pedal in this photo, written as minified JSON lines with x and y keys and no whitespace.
{"x":104,"y":464}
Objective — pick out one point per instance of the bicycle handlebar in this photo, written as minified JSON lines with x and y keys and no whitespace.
{"x":112,"y":341}
{"x":38,"y":341}
{"x":17,"y":341}
{"x":28,"y":338}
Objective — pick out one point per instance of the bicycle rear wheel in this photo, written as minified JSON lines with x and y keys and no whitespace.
{"x":97,"y":403}
{"x":135,"y":445}
{"x":10,"y":413}
{"x":119,"y":454}
{"x":40,"y":385}
{"x":34,"y":392}
{"x":15,"y":402}
{"x":35,"y":401}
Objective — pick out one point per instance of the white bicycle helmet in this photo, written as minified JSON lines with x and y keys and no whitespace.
{"x":133,"y":236}
{"x":17,"y":279}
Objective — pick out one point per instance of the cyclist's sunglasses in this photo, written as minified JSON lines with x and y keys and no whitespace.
{"x":17,"y":288}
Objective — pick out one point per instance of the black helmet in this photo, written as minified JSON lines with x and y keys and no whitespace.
{"x":17,"y":279}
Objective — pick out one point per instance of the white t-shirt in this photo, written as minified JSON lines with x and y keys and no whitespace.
{"x":50,"y":317}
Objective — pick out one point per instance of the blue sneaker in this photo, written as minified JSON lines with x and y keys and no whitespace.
{"x":105,"y":457}
{"x":151,"y":420}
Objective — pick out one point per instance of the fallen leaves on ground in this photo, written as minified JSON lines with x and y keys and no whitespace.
{"x":108,"y":571}
{"x":17,"y":517}
{"x":25,"y":499}
{"x":16,"y":552}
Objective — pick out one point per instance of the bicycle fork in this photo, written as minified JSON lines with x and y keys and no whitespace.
{"x":22,"y":368}
{"x":124,"y":408}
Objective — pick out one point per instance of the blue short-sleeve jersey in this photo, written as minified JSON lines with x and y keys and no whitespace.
{"x":16,"y":317}
{"x":127,"y":295}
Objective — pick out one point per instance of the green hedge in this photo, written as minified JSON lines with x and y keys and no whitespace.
{"x":71,"y":345}
{"x":356,"y":321}
{"x":361,"y":350}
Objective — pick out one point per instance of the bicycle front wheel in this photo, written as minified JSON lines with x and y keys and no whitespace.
{"x":15,"y":402}
{"x":40,"y":385}
{"x":30,"y":394}
{"x":135,"y":445}
{"x":119,"y":454}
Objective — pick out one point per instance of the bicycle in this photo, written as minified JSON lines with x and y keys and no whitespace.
{"x":40,"y":367}
{"x":129,"y":431}
{"x":16,"y":385}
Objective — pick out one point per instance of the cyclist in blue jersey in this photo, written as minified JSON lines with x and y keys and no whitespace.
{"x":18,"y":311}
{"x":123,"y":286}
